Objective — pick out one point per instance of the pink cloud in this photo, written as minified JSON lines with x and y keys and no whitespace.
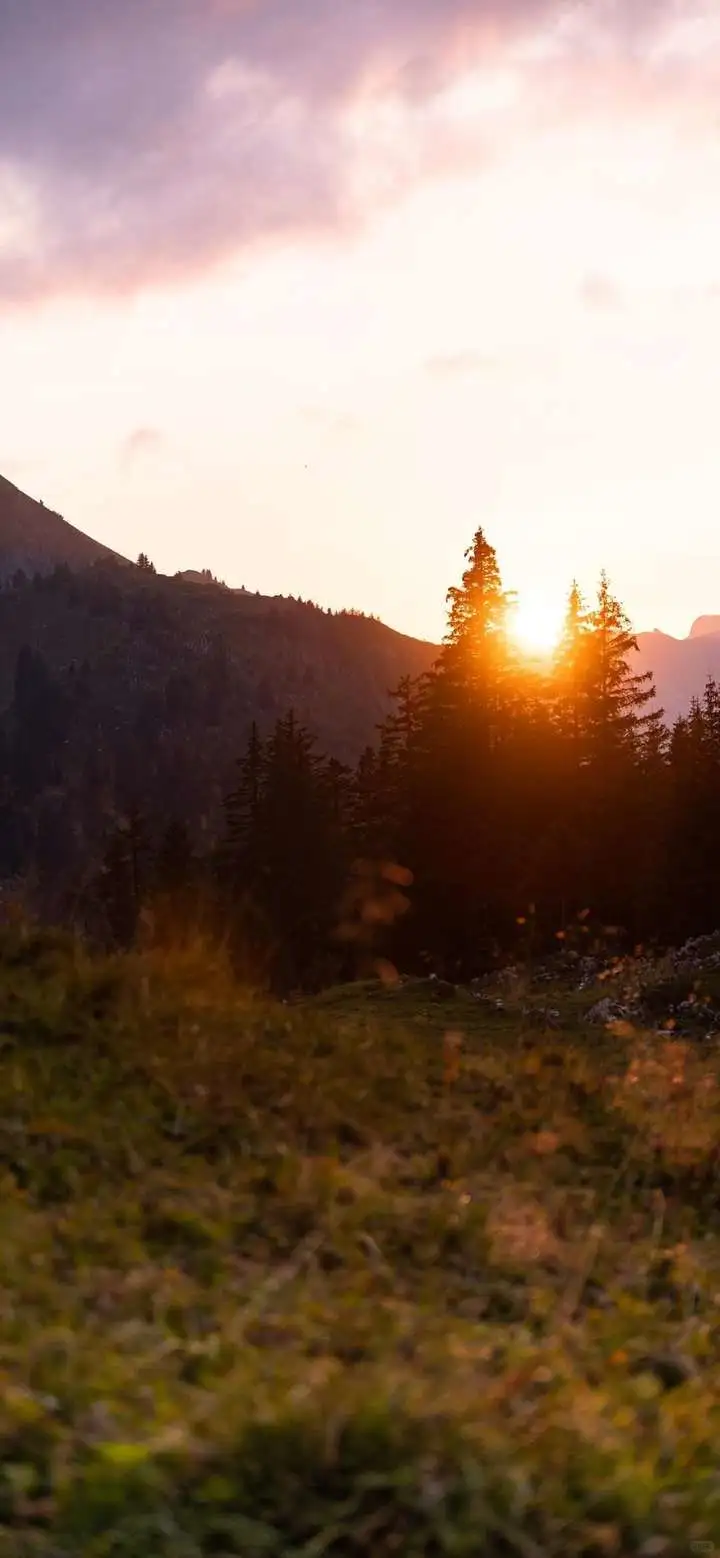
{"x":147,"y":141}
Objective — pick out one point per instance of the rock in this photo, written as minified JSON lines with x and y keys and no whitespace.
{"x":491,"y":1003}
{"x":698,"y":953}
{"x":607,"y":1011}
{"x":587,"y":972}
{"x":542,"y":1017}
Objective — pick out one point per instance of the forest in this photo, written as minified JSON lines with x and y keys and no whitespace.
{"x":505,"y":809}
{"x":360,"y":1146}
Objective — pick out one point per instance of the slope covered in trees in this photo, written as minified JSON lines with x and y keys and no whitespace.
{"x":122,"y":689}
{"x":177,"y":750}
{"x":500,"y":806}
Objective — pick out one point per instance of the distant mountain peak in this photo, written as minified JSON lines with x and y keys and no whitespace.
{"x":35,"y":539}
{"x":702,"y":626}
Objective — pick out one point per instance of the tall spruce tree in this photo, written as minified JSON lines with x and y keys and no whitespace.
{"x":474,"y":672}
{"x":502,"y":789}
{"x":446,"y":744}
{"x":619,"y":712}
{"x":692,"y":841}
{"x":571,"y":675}
{"x":395,"y":768}
{"x":621,"y":729}
{"x":562,"y":870}
{"x":285,"y":836}
{"x":242,"y":805}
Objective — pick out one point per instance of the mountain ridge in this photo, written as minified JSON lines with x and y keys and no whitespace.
{"x":35,"y":539}
{"x":703,"y":626}
{"x":680,"y":666}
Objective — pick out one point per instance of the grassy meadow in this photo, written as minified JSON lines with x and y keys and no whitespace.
{"x":371,"y":1274}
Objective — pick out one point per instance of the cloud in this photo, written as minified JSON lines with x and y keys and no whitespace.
{"x":142,"y":444}
{"x":142,"y":142}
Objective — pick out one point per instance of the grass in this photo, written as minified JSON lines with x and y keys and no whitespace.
{"x":369,"y":1275}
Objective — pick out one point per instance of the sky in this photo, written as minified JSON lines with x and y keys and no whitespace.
{"x":304,"y":291}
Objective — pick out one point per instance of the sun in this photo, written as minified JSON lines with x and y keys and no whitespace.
{"x":536,"y":626}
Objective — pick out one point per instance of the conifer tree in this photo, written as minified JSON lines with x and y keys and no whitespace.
{"x":285,"y":825}
{"x":692,"y":834}
{"x":123,"y":878}
{"x":446,"y":747}
{"x":620,"y":730}
{"x":561,"y":855}
{"x":571,"y":674}
{"x":395,"y":763}
{"x":242,"y":809}
{"x":373,"y":824}
{"x":474,"y":671}
{"x":618,"y":699}
{"x":336,"y":778}
{"x":301,"y":867}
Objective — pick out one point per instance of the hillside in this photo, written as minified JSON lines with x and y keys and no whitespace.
{"x":303,"y":659}
{"x":36,"y":540}
{"x":134,"y":633}
{"x":328,"y":1279}
{"x":141,"y":638}
{"x":121,"y":689}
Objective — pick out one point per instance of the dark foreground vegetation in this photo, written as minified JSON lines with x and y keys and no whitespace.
{"x":388,"y":1271}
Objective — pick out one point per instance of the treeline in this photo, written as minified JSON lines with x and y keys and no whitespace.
{"x":503,"y":808}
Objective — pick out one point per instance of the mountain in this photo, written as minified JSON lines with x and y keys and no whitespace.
{"x":133,"y":631}
{"x":702,"y":626}
{"x":681,"y":666}
{"x":123,"y":688}
{"x":120,"y":687}
{"x":168,"y":651}
{"x":35,"y":539}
